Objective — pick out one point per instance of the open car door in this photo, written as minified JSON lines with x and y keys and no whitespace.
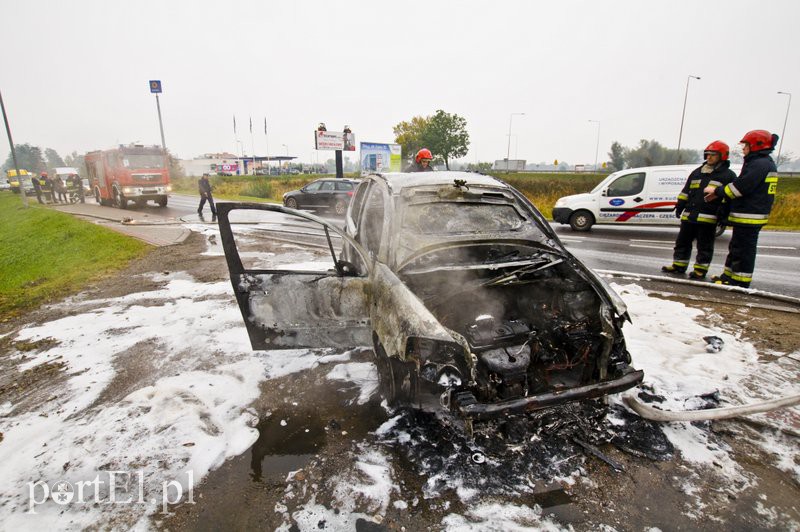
{"x":298,"y":305}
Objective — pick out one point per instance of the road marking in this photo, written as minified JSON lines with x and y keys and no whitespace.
{"x":570,"y":239}
{"x":650,"y":247}
{"x":777,"y":247}
{"x":648,"y":241}
{"x":761,"y":255}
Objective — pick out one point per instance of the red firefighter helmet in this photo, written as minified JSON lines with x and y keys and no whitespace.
{"x":424,"y":153}
{"x":758,"y":139}
{"x":720,"y":147}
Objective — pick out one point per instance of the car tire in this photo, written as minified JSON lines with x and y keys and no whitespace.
{"x":581,"y":220}
{"x":119,"y":199}
{"x":291,"y":203}
{"x":397,"y":380}
{"x":162,"y":201}
{"x":340,"y":208}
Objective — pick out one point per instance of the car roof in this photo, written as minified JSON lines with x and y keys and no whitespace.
{"x":398,"y":181}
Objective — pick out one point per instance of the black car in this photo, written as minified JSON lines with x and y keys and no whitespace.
{"x":331,"y":194}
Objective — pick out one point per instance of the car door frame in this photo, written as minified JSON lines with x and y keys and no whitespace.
{"x":249,"y":284}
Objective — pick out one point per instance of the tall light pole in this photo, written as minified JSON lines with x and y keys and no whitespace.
{"x":597,"y":147}
{"x":780,"y":146}
{"x":683,"y":115}
{"x":508,"y":151}
{"x":13,"y":153}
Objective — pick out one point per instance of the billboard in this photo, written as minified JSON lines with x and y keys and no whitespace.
{"x":334,"y":140}
{"x":512,"y":165}
{"x":380,"y":158}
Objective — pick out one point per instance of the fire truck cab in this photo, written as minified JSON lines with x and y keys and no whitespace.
{"x":134,"y":173}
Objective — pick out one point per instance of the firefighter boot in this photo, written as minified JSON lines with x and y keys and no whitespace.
{"x":673,"y":269}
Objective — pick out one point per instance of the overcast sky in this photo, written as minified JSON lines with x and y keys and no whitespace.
{"x":74,"y":74}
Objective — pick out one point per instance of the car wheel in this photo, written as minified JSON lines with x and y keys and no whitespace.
{"x":719,"y":230}
{"x":397,"y":380}
{"x":581,"y":220}
{"x":291,"y":203}
{"x":340,"y":207}
{"x":119,"y":199}
{"x":162,"y":201}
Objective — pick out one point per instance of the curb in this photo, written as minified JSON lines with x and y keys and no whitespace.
{"x":702,"y":284}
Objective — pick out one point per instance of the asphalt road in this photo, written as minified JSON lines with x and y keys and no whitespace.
{"x":636,"y":249}
{"x":645,"y":249}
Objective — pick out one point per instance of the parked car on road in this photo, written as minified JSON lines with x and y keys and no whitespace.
{"x":331,"y":194}
{"x":468,"y":298}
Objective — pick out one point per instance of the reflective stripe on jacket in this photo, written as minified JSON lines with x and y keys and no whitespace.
{"x":752,"y":194}
{"x":691,"y":201}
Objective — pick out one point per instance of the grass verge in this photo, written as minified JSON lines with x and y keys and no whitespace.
{"x":48,"y":254}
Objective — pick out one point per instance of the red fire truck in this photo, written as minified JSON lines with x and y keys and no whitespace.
{"x":134,"y":173}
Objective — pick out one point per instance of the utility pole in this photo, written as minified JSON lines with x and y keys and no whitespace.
{"x":780,"y":146}
{"x":13,"y":152}
{"x":155,"y":88}
{"x":683,"y":114}
{"x":508,"y":150}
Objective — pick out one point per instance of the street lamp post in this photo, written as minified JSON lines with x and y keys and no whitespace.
{"x":597,"y":147}
{"x":780,"y":146}
{"x":683,"y":114}
{"x":508,"y":151}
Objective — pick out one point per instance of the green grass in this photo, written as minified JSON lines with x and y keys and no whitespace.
{"x":48,"y":254}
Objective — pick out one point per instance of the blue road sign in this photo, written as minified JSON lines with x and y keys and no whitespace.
{"x":155,"y":85}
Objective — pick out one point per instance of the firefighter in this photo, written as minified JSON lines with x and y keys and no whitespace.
{"x":50,"y":184}
{"x":37,"y":186}
{"x":422,"y":162}
{"x":751,"y":196}
{"x":204,"y":188}
{"x":698,"y":217}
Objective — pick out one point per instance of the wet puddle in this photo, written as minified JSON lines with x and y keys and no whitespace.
{"x":287,"y":442}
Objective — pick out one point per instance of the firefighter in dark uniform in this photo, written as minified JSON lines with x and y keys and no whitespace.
{"x":751,"y":196}
{"x":37,"y":186}
{"x":698,"y":217}
{"x":204,"y":188}
{"x":422,"y":162}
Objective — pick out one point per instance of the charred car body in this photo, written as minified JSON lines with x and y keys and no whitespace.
{"x":470,"y":301}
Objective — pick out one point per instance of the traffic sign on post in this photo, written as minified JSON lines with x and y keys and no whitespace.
{"x":155,"y":86}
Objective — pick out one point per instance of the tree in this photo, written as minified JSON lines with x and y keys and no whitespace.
{"x":652,"y":153}
{"x":76,"y":161}
{"x":483,"y":168}
{"x":175,"y":168}
{"x":54,"y":160}
{"x":617,"y":156}
{"x":446,"y":136}
{"x":409,"y":135}
{"x":28,"y":158}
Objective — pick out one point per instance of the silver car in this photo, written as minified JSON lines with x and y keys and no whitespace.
{"x":468,"y":298}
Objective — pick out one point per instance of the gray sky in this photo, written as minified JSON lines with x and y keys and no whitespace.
{"x":78,"y":80}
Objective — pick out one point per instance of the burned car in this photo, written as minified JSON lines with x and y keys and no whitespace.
{"x":468,"y":298}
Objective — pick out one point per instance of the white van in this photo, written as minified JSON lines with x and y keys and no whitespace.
{"x":631,"y":196}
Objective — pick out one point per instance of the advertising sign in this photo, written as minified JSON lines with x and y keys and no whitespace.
{"x":380,"y":158}
{"x":226,"y":168}
{"x":334,"y":140}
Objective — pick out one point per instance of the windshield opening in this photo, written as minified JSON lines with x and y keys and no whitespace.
{"x":143,"y":161}
{"x":457,"y":217}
